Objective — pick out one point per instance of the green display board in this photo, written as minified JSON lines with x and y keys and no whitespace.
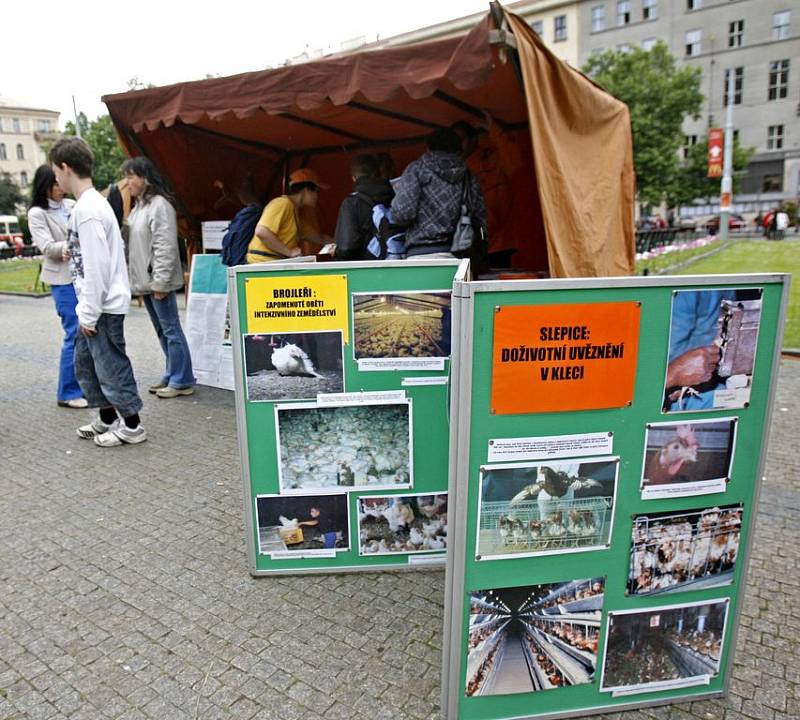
{"x":342,"y":375}
{"x":611,"y":439}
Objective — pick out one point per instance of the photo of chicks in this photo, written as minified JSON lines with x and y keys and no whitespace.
{"x":562,"y":506}
{"x":401,"y":325}
{"x":402,"y":524}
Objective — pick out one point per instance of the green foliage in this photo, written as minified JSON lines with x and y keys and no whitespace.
{"x":108,"y":153}
{"x":692,"y":180}
{"x":659,"y":96}
{"x":10,"y":195}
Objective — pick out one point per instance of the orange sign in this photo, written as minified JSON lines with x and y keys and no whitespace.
{"x":554,"y":358}
{"x":716,"y":140}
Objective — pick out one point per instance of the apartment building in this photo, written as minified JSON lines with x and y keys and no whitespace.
{"x":23,"y":129}
{"x":757,"y":40}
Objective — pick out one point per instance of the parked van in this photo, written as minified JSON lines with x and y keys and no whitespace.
{"x":10,"y":235}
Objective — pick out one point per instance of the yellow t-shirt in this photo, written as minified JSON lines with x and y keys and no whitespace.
{"x":279,"y":216}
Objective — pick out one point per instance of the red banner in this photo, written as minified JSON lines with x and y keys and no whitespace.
{"x":716,"y":142}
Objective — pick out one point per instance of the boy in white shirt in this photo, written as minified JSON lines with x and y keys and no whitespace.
{"x":100,"y":277}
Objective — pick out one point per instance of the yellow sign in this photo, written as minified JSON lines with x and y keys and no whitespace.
{"x":297,"y":303}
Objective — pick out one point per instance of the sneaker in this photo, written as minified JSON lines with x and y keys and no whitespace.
{"x":171,"y":392}
{"x":155,"y":387}
{"x":75,"y":403}
{"x":121,"y":434}
{"x":95,"y":428}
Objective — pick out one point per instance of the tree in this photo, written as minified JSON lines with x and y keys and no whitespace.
{"x":692,"y":177}
{"x":10,"y":195}
{"x":659,"y":96}
{"x":102,"y":138}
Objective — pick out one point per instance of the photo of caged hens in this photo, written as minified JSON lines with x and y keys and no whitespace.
{"x":401,"y":325}
{"x":402,"y":524}
{"x":293,"y":366}
{"x":534,"y":509}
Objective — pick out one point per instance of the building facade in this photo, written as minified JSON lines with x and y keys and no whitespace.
{"x":757,"y":40}
{"x":23,"y":130}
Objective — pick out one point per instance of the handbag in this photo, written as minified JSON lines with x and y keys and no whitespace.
{"x":469,"y":234}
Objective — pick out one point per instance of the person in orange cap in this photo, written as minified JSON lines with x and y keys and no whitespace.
{"x":281,"y":227}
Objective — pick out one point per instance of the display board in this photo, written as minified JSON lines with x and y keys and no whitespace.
{"x":342,"y":389}
{"x":611,"y":438}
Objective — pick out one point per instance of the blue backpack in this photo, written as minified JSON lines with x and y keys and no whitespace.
{"x":239,"y":234}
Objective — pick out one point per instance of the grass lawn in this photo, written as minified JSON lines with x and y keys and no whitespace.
{"x":18,"y":275}
{"x":756,"y":256}
{"x":658,"y":263}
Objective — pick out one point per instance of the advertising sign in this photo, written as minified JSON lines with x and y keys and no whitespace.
{"x":716,"y":142}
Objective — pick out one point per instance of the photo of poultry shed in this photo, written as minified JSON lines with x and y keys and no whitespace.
{"x":402,"y":523}
{"x":527,"y":509}
{"x":401,"y":325}
{"x":335,"y":448}
{"x":533,"y":638}
{"x":654,"y":649}
{"x":303,"y":524}
{"x":688,"y":458}
{"x":293,"y":366}
{"x":688,"y":550}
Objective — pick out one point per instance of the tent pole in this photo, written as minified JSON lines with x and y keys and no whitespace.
{"x":322,"y":126}
{"x":498,"y":15}
{"x":395,"y":115}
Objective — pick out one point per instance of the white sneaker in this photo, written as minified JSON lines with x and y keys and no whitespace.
{"x":121,"y":434}
{"x":95,"y":428}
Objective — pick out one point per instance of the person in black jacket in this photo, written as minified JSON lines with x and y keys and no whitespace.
{"x":354,"y":226}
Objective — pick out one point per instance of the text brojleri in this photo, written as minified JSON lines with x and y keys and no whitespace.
{"x":577,"y":349}
{"x":292,"y":302}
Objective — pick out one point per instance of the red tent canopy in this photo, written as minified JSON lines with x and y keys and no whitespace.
{"x":555,"y":165}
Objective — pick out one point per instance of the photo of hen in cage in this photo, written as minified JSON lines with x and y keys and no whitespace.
{"x":712,"y":349}
{"x":293,"y":366}
{"x":659,"y":648}
{"x":402,"y":524}
{"x":401,"y":325}
{"x":689,"y":550}
{"x":690,"y":458}
{"x":565,"y":506}
{"x":339,"y":448}
{"x":533,"y":638}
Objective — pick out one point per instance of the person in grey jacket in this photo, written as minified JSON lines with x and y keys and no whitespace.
{"x":47,"y":221}
{"x":156,"y":272}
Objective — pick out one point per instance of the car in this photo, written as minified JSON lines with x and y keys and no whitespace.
{"x":736,"y":222}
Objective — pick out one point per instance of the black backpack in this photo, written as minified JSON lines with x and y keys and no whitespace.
{"x":239,"y":234}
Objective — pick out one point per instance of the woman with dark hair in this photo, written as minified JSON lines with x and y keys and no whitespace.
{"x":47,"y":220}
{"x":156,"y":271}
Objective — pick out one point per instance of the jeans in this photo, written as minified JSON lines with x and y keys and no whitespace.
{"x":164,"y":316}
{"x":66,"y":300}
{"x":103,"y":368}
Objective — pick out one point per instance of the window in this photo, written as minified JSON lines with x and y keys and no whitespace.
{"x":23,"y":179}
{"x":780,"y":25}
{"x":3,"y":155}
{"x":1,"y":124}
{"x":688,"y":142}
{"x":772,"y":183}
{"x":694,"y":4}
{"x":623,"y":12}
{"x":647,"y":43}
{"x":15,"y":125}
{"x":735,"y":137}
{"x":738,"y":82}
{"x":775,"y":137}
{"x":538,"y":27}
{"x":560,"y":28}
{"x":649,"y":9}
{"x":693,"y":39}
{"x":778,"y":79}
{"x":43,"y":125}
{"x":20,"y":152}
{"x":598,"y":18}
{"x":735,"y":33}
{"x":623,"y":48}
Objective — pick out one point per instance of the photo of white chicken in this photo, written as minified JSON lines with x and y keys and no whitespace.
{"x":402,"y":523}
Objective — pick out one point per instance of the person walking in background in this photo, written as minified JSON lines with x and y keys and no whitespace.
{"x":100,"y":277}
{"x":47,"y":220}
{"x":156,"y":271}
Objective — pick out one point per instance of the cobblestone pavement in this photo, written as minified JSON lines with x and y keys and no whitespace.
{"x":124,"y":591}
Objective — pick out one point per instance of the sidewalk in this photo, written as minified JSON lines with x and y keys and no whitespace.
{"x":124,"y":591}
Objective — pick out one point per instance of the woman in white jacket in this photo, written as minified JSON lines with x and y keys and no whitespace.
{"x":156,"y":273}
{"x":47,"y":221}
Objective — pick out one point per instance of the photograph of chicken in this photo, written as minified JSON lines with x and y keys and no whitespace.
{"x":651,"y":649}
{"x":338,"y":448}
{"x":293,"y":366}
{"x":533,"y":638}
{"x":690,"y":458}
{"x":539,"y":509}
{"x":401,"y":325}
{"x":690,"y":550}
{"x":402,"y":524}
{"x":305,"y":524}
